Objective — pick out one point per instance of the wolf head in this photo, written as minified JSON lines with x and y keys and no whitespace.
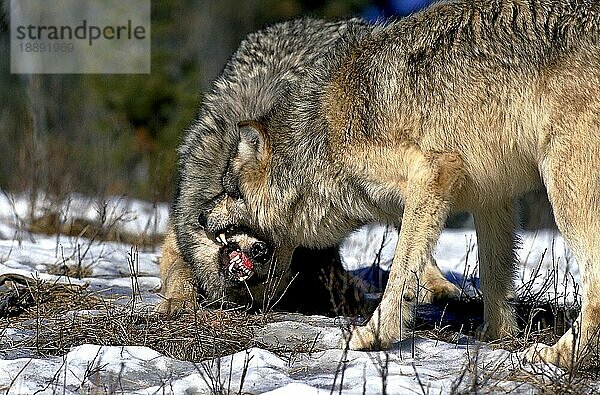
{"x":211,"y":207}
{"x":289,"y":186}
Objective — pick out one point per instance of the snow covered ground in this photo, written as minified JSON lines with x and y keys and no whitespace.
{"x":419,"y":365}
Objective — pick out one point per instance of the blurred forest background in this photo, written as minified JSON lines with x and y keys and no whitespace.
{"x":103,"y":135}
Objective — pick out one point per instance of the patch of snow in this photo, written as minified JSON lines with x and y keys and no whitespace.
{"x":411,"y":366}
{"x":130,"y":215}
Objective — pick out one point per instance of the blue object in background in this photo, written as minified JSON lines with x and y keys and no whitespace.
{"x":375,"y":278}
{"x":466,"y":311}
{"x":382,"y":10}
{"x":406,"y":7}
{"x":372,"y":13}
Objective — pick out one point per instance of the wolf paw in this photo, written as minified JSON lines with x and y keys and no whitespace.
{"x":441,"y":290}
{"x":542,"y":353}
{"x":361,"y":338}
{"x":174,"y":306}
{"x":364,"y":338}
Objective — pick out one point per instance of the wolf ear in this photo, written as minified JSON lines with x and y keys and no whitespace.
{"x":253,"y":142}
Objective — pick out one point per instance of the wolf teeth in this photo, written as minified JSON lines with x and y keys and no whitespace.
{"x":222,"y":239}
{"x":231,"y":268}
{"x":241,"y":272}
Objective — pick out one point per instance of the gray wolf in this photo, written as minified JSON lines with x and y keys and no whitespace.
{"x":267,"y":65}
{"x":464,"y":106}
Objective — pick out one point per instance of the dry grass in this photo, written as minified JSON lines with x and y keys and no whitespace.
{"x":24,"y":298}
{"x":59,"y":317}
{"x":50,"y":223}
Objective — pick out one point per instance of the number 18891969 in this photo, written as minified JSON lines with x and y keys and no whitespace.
{"x":46,"y":47}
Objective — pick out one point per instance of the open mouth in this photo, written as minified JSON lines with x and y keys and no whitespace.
{"x":241,"y":254}
{"x":239,"y":265}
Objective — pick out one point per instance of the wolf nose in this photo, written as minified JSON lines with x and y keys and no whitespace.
{"x":202,"y":220}
{"x":260,"y":251}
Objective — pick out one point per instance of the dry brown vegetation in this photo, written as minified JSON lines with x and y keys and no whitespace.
{"x":50,"y":223}
{"x":60,"y":316}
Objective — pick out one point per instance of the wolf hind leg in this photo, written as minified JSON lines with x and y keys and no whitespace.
{"x":495,"y":244}
{"x":571,"y":173}
{"x":429,"y":191}
{"x":437,"y":288}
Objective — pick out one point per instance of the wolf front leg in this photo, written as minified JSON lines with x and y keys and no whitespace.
{"x":178,"y":286}
{"x":432,"y":179}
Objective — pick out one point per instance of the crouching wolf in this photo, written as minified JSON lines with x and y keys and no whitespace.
{"x":242,"y":267}
{"x":466,"y":105}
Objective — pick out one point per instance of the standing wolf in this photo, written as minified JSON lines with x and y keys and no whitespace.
{"x":465,"y":106}
{"x":242,"y":268}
